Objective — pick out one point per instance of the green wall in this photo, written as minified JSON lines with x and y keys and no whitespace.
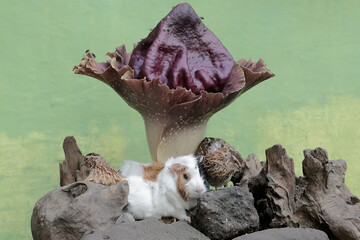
{"x":314,"y":100}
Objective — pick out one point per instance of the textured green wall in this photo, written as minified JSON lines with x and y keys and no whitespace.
{"x":314,"y":100}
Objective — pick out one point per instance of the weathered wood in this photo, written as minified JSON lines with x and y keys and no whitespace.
{"x":251,"y":168}
{"x":72,"y":170}
{"x":318,"y":200}
{"x":280,"y":174}
{"x":326,"y":202}
{"x":70,"y":211}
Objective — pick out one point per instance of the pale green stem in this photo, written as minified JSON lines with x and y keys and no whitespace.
{"x":174,"y":142}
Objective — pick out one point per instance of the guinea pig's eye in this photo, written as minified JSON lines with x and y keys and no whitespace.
{"x":185,"y":176}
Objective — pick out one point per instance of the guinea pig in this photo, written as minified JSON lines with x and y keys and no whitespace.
{"x":177,"y":188}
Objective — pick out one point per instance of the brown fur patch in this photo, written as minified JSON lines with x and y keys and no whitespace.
{"x":151,"y":172}
{"x":181,"y":181}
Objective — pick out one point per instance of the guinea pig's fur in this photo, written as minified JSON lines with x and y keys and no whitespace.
{"x":131,"y":168}
{"x":148,"y":171}
{"x":176,"y":189}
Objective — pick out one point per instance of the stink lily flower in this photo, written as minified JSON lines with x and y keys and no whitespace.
{"x":176,"y":78}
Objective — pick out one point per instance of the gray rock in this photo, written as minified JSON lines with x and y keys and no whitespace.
{"x":148,"y":229}
{"x":225,"y":213}
{"x":125,"y":217}
{"x":70,"y":211}
{"x":286,"y":234}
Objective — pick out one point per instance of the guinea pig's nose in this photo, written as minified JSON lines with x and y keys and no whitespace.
{"x":199,"y":190}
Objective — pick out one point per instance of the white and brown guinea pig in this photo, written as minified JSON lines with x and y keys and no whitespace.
{"x":177,"y":188}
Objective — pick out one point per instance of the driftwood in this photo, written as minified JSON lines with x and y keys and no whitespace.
{"x":326,"y":202}
{"x":71,"y":169}
{"x":70,"y":211}
{"x":318,"y":200}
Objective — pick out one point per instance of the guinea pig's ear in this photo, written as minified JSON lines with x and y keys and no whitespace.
{"x":175,"y":167}
{"x":199,"y":158}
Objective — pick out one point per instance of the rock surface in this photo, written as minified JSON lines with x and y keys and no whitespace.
{"x":70,"y":211}
{"x":226,"y":213}
{"x":286,"y":234}
{"x":148,"y":229}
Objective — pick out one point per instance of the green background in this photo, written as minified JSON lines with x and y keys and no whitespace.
{"x":314,"y":100}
